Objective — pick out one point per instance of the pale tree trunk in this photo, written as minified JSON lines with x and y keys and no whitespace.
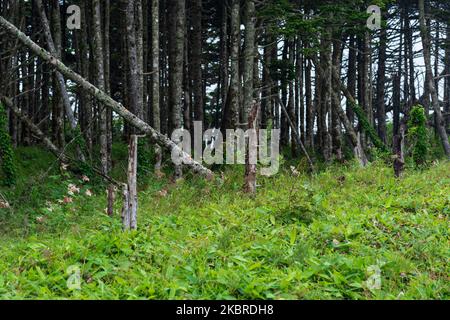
{"x":130,"y":195}
{"x":107,"y":59}
{"x":224,"y":81}
{"x":309,"y":106}
{"x":336,"y":103}
{"x":440,"y":125}
{"x":155,"y":80}
{"x":197,"y":74}
{"x":351,"y":75}
{"x":38,"y":133}
{"x":291,"y":98}
{"x":381,"y":83}
{"x":447,"y":79}
{"x":53,"y":50}
{"x":139,"y":33}
{"x":178,"y":25}
{"x":100,"y":77}
{"x":59,"y":101}
{"x":232,"y":116}
{"x":251,"y":168}
{"x":134,"y":62}
{"x":86,"y":104}
{"x":101,"y":96}
{"x":325,"y":96}
{"x":266,"y":103}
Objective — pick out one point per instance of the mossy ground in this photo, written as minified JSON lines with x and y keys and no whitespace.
{"x":301,"y":237}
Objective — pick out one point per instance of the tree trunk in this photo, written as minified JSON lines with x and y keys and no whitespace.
{"x":130,"y":196}
{"x":232,"y":107}
{"x":155,"y":80}
{"x":381,"y":83}
{"x":250,"y":166}
{"x":98,"y":54}
{"x":249,"y":56}
{"x":53,"y":50}
{"x":197,"y":73}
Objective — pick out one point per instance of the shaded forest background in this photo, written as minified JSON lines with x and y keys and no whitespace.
{"x":314,"y":68}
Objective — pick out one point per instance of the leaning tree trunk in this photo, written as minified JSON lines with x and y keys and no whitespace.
{"x":251,"y":156}
{"x":430,"y":81}
{"x":155,"y":80}
{"x":100,"y":95}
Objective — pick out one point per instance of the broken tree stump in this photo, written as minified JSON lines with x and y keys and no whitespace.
{"x":130,"y":196}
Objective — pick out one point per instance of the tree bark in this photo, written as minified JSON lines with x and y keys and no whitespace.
{"x":100,"y":95}
{"x":98,"y":54}
{"x":381,"y":83}
{"x":249,"y":56}
{"x":176,"y":56}
{"x":155,"y":80}
{"x":197,"y":72}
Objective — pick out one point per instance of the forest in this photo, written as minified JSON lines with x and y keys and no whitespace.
{"x":224,"y":149}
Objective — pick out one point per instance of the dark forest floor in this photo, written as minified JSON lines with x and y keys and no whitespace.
{"x":347,"y":233}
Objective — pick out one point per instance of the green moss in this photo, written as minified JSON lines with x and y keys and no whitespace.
{"x":6,"y":151}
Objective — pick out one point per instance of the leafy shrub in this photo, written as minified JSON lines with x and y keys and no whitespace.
{"x":418,"y":135}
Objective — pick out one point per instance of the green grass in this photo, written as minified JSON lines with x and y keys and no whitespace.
{"x":346,"y":233}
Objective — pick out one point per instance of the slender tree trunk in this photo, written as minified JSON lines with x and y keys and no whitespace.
{"x":351,"y":75}
{"x":100,"y":77}
{"x":250,"y":166}
{"x":155,"y":80}
{"x":232,"y":114}
{"x":309,"y":107}
{"x":178,"y":25}
{"x":101,"y":96}
{"x":447,"y":79}
{"x":55,"y":51}
{"x":107,"y":66}
{"x":197,"y":72}
{"x":336,"y":103}
{"x":381,"y":83}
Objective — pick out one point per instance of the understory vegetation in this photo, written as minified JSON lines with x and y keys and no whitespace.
{"x":346,"y":232}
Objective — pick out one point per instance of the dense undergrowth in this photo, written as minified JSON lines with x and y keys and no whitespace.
{"x":346,"y":233}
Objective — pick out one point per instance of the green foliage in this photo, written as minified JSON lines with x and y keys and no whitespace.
{"x":6,"y":151}
{"x":301,"y":237}
{"x":418,"y":135}
{"x":368,"y":128}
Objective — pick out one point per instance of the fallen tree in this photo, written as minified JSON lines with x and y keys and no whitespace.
{"x":104,"y":98}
